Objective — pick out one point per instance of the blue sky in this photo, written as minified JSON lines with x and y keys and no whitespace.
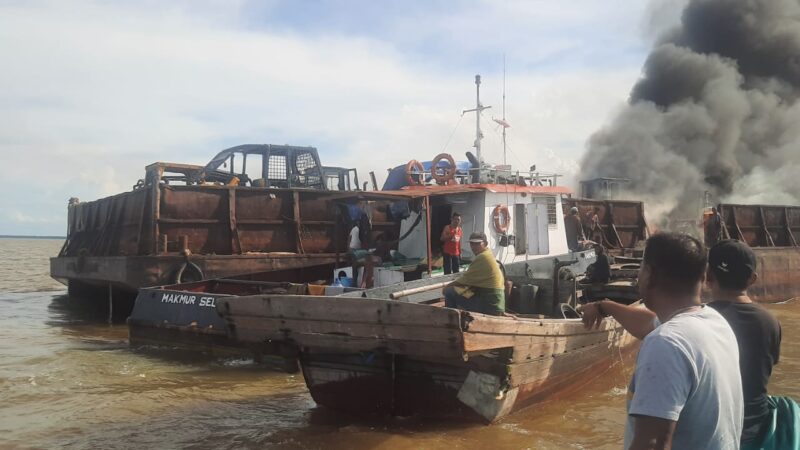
{"x":91,"y":92}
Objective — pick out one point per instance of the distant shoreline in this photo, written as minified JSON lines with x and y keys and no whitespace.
{"x":13,"y":236}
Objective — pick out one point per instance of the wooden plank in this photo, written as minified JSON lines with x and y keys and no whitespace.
{"x":482,"y":323}
{"x":537,"y":371}
{"x":554,"y":343}
{"x":344,"y":309}
{"x":344,"y":345}
{"x":296,"y":330}
{"x":562,"y":344}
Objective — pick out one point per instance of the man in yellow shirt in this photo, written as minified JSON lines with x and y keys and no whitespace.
{"x":481,"y":288}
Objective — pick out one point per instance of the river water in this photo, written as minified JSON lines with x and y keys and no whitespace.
{"x":68,"y":379}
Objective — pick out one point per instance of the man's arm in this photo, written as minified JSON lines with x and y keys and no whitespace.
{"x":652,"y":433}
{"x":636,"y":319}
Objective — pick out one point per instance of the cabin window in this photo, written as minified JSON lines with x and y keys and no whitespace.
{"x":277,"y":167}
{"x":237,"y":163}
{"x":520,"y":246}
{"x":253,"y":165}
{"x":551,"y":211}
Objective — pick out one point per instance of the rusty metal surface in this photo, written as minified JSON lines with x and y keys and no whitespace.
{"x":777,"y":275}
{"x":214,"y":220}
{"x":622,"y":222}
{"x":761,"y":225}
{"x":133,"y":272}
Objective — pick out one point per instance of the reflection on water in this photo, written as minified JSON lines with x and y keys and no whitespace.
{"x":68,"y":379}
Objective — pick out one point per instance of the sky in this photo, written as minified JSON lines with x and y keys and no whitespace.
{"x":93,"y":91}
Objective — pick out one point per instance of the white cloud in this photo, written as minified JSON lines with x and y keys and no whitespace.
{"x":90,"y":94}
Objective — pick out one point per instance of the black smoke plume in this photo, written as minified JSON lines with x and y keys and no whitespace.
{"x":717,"y":110}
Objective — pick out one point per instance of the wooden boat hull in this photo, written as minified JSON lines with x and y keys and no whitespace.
{"x":372,"y":356}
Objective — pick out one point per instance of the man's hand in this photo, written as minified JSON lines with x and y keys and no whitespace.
{"x":591,"y":316}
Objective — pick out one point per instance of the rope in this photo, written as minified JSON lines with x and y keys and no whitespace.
{"x":451,"y":134}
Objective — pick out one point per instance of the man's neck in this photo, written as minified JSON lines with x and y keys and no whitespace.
{"x":730,"y":296}
{"x":669,"y":306}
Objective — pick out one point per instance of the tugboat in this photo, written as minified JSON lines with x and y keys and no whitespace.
{"x":397,"y":350}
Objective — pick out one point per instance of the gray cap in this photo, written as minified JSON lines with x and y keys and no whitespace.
{"x":574,"y":210}
{"x":478,"y":236}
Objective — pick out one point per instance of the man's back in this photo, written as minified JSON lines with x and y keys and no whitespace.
{"x":688,"y":371}
{"x":759,"y":337}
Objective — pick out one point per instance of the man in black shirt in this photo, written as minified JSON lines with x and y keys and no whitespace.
{"x":601,"y":268}
{"x":731,"y":270}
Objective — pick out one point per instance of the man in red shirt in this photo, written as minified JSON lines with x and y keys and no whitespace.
{"x":451,"y":250}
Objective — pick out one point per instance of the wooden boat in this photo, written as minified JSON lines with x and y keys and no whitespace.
{"x":382,"y":356}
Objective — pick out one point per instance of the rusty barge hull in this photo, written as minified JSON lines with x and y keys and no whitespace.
{"x":773,"y":232}
{"x":372,"y":356}
{"x":252,"y":208}
{"x":141,"y":238}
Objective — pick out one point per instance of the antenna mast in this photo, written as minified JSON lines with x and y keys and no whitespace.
{"x":477,"y":110}
{"x":504,"y":109}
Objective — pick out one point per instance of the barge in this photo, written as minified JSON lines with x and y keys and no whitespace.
{"x":252,"y":208}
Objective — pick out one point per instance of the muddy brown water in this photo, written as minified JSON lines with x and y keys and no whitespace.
{"x":68,"y":379}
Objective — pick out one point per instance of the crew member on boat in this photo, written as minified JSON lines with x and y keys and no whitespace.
{"x":574,"y":229}
{"x":451,"y":248}
{"x":600,"y":269}
{"x":481,"y":288}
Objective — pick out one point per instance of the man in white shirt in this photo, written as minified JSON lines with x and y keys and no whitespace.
{"x":686,"y":392}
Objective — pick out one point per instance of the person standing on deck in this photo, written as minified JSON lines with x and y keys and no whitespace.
{"x":451,"y":248}
{"x":574,"y":229}
{"x":769,"y":422}
{"x":686,"y":392}
{"x":713,"y":230}
{"x":481,"y":288}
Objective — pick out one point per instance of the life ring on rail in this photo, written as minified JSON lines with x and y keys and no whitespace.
{"x":414,"y":164}
{"x":500,"y":219}
{"x":449,"y":172}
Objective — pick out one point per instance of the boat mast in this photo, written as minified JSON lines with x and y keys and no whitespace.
{"x":477,"y":110}
{"x":504,"y":109}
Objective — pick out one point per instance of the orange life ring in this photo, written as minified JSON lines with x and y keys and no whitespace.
{"x":500,"y":219}
{"x":414,"y":164}
{"x":449,"y":173}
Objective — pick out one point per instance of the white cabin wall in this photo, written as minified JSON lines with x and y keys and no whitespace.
{"x":472,"y":220}
{"x":416,"y":244}
{"x":557,"y":239}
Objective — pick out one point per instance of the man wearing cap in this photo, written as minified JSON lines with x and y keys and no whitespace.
{"x":731,"y":271}
{"x":769,"y":422}
{"x":481,"y":288}
{"x":574,"y":229}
